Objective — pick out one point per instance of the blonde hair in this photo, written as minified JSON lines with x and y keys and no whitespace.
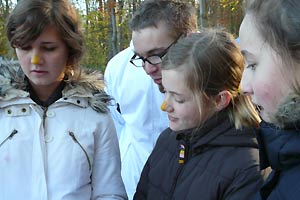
{"x":213,"y":63}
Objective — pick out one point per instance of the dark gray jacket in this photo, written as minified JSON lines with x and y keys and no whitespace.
{"x":280,"y":149}
{"x":212,"y":163}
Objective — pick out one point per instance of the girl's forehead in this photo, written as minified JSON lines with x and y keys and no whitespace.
{"x":175,"y":80}
{"x":248,"y":33}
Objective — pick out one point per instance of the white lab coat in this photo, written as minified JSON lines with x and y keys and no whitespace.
{"x":141,"y":120}
{"x":68,"y":151}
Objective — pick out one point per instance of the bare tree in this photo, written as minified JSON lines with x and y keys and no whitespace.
{"x":111,"y":4}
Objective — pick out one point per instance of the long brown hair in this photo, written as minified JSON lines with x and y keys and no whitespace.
{"x":29,"y":18}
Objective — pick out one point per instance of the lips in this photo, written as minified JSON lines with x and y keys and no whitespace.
{"x":173,"y":119}
{"x":258,"y":108}
{"x":39,"y":71}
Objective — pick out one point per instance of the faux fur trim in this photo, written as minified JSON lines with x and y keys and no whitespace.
{"x":89,"y":85}
{"x":289,"y":112}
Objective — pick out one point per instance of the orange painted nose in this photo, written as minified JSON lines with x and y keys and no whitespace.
{"x":163,"y":106}
{"x":35,"y":59}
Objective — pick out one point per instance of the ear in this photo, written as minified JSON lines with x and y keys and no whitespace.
{"x":222,"y":100}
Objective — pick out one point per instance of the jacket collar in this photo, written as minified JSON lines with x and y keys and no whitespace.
{"x":57,"y":94}
{"x":13,"y":85}
{"x":218,"y":131}
{"x":279,"y":148}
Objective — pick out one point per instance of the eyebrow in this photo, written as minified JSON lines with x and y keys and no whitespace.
{"x":175,"y":93}
{"x":151,"y":52}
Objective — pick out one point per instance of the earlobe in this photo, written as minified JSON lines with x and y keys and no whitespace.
{"x":223,"y":100}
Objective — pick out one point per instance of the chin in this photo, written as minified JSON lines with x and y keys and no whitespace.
{"x":173,"y":127}
{"x":176,"y":128}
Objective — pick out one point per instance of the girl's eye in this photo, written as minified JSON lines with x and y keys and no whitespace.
{"x":49,"y":48}
{"x":179,"y":101}
{"x":25,"y":48}
{"x":251,"y":66}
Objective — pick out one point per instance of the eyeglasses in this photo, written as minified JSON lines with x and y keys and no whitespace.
{"x":140,"y":61}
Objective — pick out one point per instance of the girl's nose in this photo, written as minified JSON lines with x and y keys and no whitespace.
{"x":163,"y":106}
{"x":245,"y":85}
{"x":35,"y":59}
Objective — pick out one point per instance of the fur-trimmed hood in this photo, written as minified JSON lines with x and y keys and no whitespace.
{"x":89,"y":85}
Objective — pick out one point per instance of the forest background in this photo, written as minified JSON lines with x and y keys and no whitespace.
{"x":105,"y":24}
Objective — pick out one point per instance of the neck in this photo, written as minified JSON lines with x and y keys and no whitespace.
{"x":43,"y":92}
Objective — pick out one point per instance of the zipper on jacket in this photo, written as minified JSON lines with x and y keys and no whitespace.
{"x":76,"y":141}
{"x":181,"y":166}
{"x":45,"y":109}
{"x":183,"y":160}
{"x":13,"y":133}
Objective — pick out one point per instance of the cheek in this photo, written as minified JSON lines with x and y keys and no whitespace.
{"x":267,"y":94}
{"x":24,"y":60}
{"x":271,"y":83}
{"x":60,"y":60}
{"x":262,"y":93}
{"x":190,"y":115}
{"x":58,"y":68}
{"x":21,"y":56}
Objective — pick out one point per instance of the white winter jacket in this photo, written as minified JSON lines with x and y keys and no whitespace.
{"x":67,"y":151}
{"x":141,"y":121}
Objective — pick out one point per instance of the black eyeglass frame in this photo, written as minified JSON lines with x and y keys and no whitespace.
{"x":161,"y":55}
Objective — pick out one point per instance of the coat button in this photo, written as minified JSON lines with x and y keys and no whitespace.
{"x":48,"y":138}
{"x":50,"y":114}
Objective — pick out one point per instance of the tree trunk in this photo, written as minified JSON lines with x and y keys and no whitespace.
{"x":113,"y":26}
{"x":120,"y":27}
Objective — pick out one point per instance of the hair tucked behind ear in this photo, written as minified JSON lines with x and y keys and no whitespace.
{"x":212,"y":63}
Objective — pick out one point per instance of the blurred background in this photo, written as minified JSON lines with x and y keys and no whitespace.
{"x":105,"y":24}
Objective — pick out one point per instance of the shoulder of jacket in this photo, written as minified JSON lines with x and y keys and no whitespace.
{"x":166,"y":141}
{"x":90,"y":85}
{"x":165,"y":135}
{"x":12,"y":78}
